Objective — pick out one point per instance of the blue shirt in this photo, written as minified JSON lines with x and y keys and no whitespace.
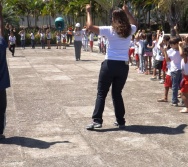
{"x":4,"y":73}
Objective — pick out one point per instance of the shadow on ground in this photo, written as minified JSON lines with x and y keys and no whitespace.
{"x":29,"y":142}
{"x":143,"y":129}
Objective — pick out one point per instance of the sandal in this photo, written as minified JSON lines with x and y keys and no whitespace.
{"x":184,"y":110}
{"x":162,"y":100}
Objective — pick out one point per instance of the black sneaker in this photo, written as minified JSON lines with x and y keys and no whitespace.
{"x":120,"y":126}
{"x":93,"y":126}
{"x":2,"y":136}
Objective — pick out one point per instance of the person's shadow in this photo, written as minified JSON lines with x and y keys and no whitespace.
{"x":29,"y":142}
{"x":145,"y":129}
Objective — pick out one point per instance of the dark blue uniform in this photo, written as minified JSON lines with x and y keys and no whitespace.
{"x":4,"y":83}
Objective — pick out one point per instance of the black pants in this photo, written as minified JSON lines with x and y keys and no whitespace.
{"x":111,"y":73}
{"x":3,"y":105}
{"x":12,"y":49}
{"x":69,"y":38}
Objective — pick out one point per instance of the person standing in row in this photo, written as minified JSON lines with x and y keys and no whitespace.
{"x":22,"y":38}
{"x":114,"y":69}
{"x":69,"y":35}
{"x":12,"y":43}
{"x":42,"y":38}
{"x":32,"y":36}
{"x":78,"y":33}
{"x":91,"y":39}
{"x":4,"y":78}
{"x":48,"y":37}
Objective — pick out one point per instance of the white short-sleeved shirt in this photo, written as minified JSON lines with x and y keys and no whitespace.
{"x":78,"y":35}
{"x":140,"y":46}
{"x":12,"y":40}
{"x":184,"y":67}
{"x":132,"y":44}
{"x":48,"y":36}
{"x":136,"y":47}
{"x":168,"y":71}
{"x":32,"y":36}
{"x":91,"y":37}
{"x":154,"y":50}
{"x":175,"y":58}
{"x":159,"y":55}
{"x":22,"y":36}
{"x":118,"y":47}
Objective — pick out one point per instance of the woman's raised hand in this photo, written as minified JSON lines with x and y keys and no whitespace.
{"x":88,"y":8}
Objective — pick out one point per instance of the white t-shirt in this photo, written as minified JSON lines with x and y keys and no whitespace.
{"x":175,"y":58}
{"x":12,"y":40}
{"x":140,"y":47}
{"x":42,"y":36}
{"x":78,"y":35}
{"x":168,"y":66}
{"x":22,"y":36}
{"x":32,"y":36}
{"x":154,"y":50}
{"x":48,"y":36}
{"x":132,"y":44}
{"x":184,"y":67}
{"x":91,"y":37}
{"x":136,"y":47}
{"x":117,"y":48}
{"x":159,"y":55}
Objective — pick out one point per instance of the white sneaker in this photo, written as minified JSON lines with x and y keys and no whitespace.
{"x":161,"y":81}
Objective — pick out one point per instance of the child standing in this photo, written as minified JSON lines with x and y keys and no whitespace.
{"x":164,"y":67}
{"x":139,"y":38}
{"x":22,"y":39}
{"x":131,"y":50}
{"x":58,"y":40}
{"x":12,"y":43}
{"x":91,"y":39}
{"x":99,"y":43}
{"x":148,"y":52}
{"x":184,"y":66}
{"x":42,"y":39}
{"x":63,"y":39}
{"x":168,"y":81}
{"x":174,"y":57}
{"x":48,"y":37}
{"x":85,"y":39}
{"x":136,"y":44}
{"x":32,"y":40}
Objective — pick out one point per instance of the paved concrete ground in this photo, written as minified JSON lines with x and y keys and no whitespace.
{"x":51,"y":100}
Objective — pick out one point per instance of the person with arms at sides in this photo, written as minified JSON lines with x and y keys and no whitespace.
{"x":4,"y":77}
{"x":114,"y":69}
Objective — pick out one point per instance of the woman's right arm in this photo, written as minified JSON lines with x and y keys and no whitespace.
{"x":89,"y":22}
{"x":129,"y":15}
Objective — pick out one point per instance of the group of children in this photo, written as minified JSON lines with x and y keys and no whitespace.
{"x":165,"y":57}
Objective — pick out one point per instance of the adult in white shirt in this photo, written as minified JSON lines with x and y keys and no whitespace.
{"x":78,"y":33}
{"x":114,"y":69}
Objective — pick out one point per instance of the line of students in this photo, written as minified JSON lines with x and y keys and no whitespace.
{"x":169,"y":54}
